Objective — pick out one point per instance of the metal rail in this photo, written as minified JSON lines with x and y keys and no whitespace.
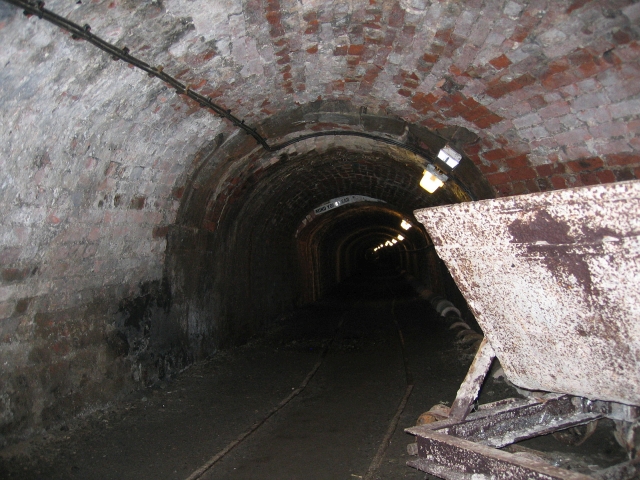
{"x":84,"y":33}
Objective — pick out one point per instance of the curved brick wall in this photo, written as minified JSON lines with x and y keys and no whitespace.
{"x":101,"y":164}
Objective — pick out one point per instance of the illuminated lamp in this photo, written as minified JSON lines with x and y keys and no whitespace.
{"x":432,"y":179}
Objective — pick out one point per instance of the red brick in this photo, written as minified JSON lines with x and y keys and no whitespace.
{"x":525,"y":173}
{"x":537,"y":102}
{"x":487,"y":121}
{"x":273,"y":17}
{"x":430,"y":58}
{"x":621,"y":37}
{"x":409,"y":29}
{"x":473,"y":114}
{"x":497,"y":154}
{"x":445,"y":102}
{"x":449,"y":113}
{"x":472,"y":149}
{"x":160,"y":232}
{"x":340,"y":50}
{"x":471,"y":103}
{"x":396,"y":17}
{"x":624,"y":174}
{"x":15,"y":274}
{"x":432,"y":123}
{"x":498,"y":90}
{"x":137,"y":202}
{"x":576,"y":5}
{"x":519,"y":188}
{"x":519,"y":161}
{"x":455,"y":70}
{"x":543,"y":184}
{"x":310,"y":16}
{"x":606,"y":176}
{"x":444,"y":35}
{"x":589,"y":179}
{"x":313,"y":27}
{"x":550,"y":169}
{"x":422,"y":101}
{"x":558,"y":80}
{"x":622,"y":158}
{"x":498,"y":178}
{"x":520,"y":33}
{"x":523,"y":81}
{"x":372,"y":41}
{"x":586,"y":164}
{"x":557,"y":66}
{"x":459,"y":108}
{"x":593,"y":67}
{"x":504,"y":190}
{"x":500,"y":62}
{"x":579,"y":57}
{"x":558,"y":182}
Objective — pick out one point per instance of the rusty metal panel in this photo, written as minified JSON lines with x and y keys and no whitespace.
{"x":554,"y":281}
{"x":455,"y":458}
{"x":506,"y":422}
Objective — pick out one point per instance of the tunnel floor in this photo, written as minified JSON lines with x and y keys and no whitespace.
{"x":333,"y":428}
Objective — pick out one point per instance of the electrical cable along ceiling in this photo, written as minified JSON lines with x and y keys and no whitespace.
{"x":124,"y":53}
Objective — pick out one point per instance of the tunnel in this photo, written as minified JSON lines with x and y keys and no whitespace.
{"x":249,"y":225}
{"x":181,"y":179}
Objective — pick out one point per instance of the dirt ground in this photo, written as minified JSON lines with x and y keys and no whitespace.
{"x":332,"y":429}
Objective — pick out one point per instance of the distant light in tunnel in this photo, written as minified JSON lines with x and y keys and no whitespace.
{"x":394,"y":241}
{"x":406,"y":225}
{"x":400,"y":237}
{"x":432,"y":179}
{"x":449,"y":156}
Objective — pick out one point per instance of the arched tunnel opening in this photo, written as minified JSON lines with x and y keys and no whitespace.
{"x":260,"y":234}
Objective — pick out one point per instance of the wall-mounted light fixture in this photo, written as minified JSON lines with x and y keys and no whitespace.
{"x":449,"y":156}
{"x":434,"y":178}
{"x":400,"y":237}
{"x":406,"y":225}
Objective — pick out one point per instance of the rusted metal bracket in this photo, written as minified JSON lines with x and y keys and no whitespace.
{"x":472,"y":383}
{"x":454,"y":458}
{"x":507,"y":421}
{"x":468,"y":449}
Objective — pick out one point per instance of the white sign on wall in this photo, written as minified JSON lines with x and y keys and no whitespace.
{"x":337,"y":202}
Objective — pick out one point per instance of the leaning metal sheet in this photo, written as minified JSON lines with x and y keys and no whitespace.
{"x":553,"y":279}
